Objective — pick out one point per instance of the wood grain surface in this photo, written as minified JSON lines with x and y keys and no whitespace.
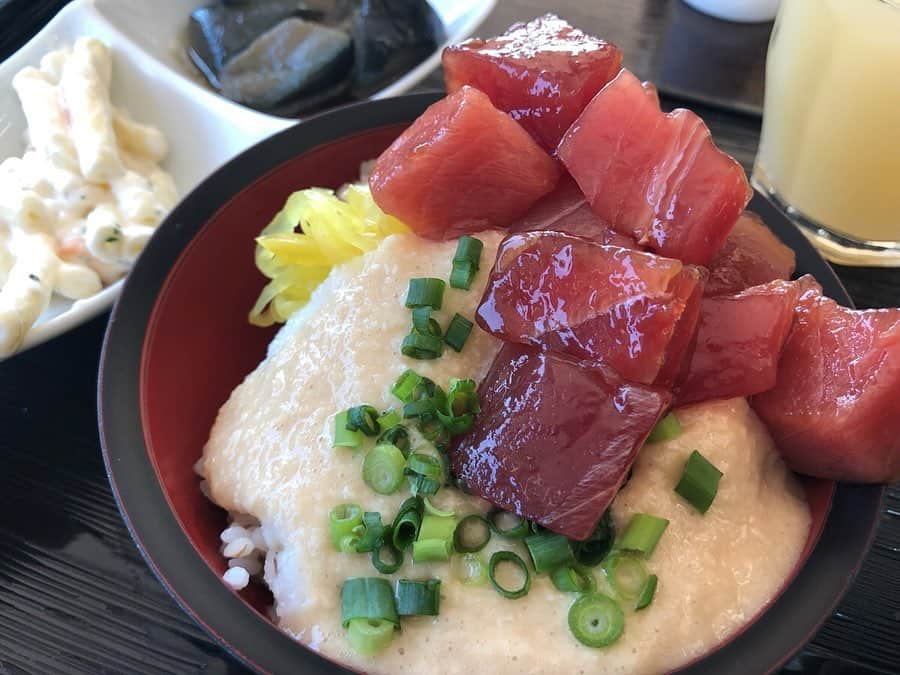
{"x":75,"y":595}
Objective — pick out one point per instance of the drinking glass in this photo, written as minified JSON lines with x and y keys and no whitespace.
{"x":829,"y":153}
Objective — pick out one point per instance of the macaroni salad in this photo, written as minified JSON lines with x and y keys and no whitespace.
{"x":78,"y":207}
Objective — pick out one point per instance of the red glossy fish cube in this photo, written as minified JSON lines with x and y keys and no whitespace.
{"x":462,"y":167}
{"x":543,"y":73}
{"x":555,"y":438}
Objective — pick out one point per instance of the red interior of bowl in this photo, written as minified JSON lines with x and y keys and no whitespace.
{"x":199,"y":345}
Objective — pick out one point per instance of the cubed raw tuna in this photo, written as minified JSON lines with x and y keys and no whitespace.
{"x":835,"y":409}
{"x":602,"y":304}
{"x":462,"y":167}
{"x":543,"y":73}
{"x":739,"y":342}
{"x":566,"y":210}
{"x":751,"y":255}
{"x":656,"y":177}
{"x":555,"y":438}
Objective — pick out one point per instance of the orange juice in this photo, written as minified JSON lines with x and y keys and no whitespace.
{"x":830,"y":146}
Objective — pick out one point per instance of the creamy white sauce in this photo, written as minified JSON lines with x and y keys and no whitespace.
{"x":269,"y":455}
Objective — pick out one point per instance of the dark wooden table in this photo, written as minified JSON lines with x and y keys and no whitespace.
{"x":75,"y":595}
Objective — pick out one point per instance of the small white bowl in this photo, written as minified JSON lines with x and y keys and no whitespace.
{"x":743,"y":11}
{"x":155,"y":84}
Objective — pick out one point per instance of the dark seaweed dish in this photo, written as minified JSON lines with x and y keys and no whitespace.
{"x":291,"y":57}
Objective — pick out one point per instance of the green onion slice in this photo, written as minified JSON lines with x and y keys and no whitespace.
{"x":667,"y":429}
{"x":472,"y":533}
{"x":422,"y":347}
{"x":469,"y":569}
{"x":498,"y":559}
{"x":345,"y":437}
{"x":396,"y":555}
{"x":422,"y":486}
{"x":397,"y":435}
{"x":549,"y":551}
{"x":468,"y":249}
{"x":431,"y":509}
{"x":426,"y":292}
{"x":595,"y":548}
{"x":647,"y":592}
{"x":643,"y":534}
{"x":343,"y":521}
{"x":462,"y":274}
{"x":462,"y":397}
{"x":573,"y":579}
{"x":699,"y":482}
{"x":370,"y":636}
{"x":423,"y":406}
{"x":423,"y":323}
{"x":437,"y":527}
{"x":519,"y":530}
{"x":372,"y":534}
{"x":431,"y":550}
{"x":418,"y":598}
{"x":406,"y":524}
{"x":596,"y":620}
{"x":383,"y":469}
{"x":388,"y":420}
{"x":626,"y":573}
{"x":465,"y":262}
{"x":363,"y":418}
{"x":425,"y":465}
{"x":368,"y":598}
{"x":406,"y":385}
{"x":458,"y":332}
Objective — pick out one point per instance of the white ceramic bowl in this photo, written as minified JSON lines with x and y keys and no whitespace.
{"x":153,"y":82}
{"x":744,"y":11}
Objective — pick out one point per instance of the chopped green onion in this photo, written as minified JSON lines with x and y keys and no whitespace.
{"x":407,"y":523}
{"x":437,"y":527}
{"x":573,"y":579}
{"x":418,"y":598}
{"x":626,"y":573}
{"x":396,"y":554}
{"x":432,"y":429}
{"x":425,"y":292}
{"x":468,"y":249}
{"x":464,"y":540}
{"x":397,"y":435}
{"x":519,"y":530}
{"x":470,"y":569}
{"x":368,"y":598}
{"x":406,"y":385}
{"x":458,"y":332}
{"x":699,"y":482}
{"x":370,"y":636}
{"x":425,"y":465}
{"x":422,"y":347}
{"x":462,"y":274}
{"x":465,"y":262}
{"x":647,"y":592}
{"x":423,"y":323}
{"x":420,"y":486}
{"x":435,"y":511}
{"x":462,"y":397}
{"x":666,"y":429}
{"x":383,"y":469}
{"x":363,"y":418}
{"x":643,"y":533}
{"x":388,"y":420}
{"x":435,"y":540}
{"x":594,"y":549}
{"x":343,"y":436}
{"x":373,"y":532}
{"x":431,"y":550}
{"x":596,"y":620}
{"x":456,"y":425}
{"x":498,"y":559}
{"x":343,"y":520}
{"x":423,"y":406}
{"x":549,"y":551}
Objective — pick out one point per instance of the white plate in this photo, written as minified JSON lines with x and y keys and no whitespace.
{"x":155,"y":84}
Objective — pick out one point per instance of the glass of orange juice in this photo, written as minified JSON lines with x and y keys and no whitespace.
{"x":830,"y":147}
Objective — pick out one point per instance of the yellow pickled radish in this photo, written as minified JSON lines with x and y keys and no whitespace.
{"x":315,"y":231}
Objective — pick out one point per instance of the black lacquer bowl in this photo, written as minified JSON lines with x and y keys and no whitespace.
{"x":178,"y":342}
